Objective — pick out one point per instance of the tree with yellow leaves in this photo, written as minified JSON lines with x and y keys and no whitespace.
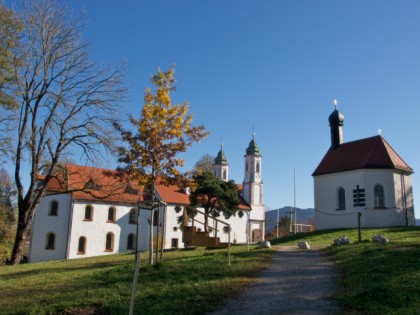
{"x":151,"y":153}
{"x":163,"y":131}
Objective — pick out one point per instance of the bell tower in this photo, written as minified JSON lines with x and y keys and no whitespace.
{"x":253,"y":185}
{"x":221,"y":165}
{"x":336,"y":121}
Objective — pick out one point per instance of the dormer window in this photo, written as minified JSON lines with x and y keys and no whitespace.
{"x":92,"y":186}
{"x":130,"y":190}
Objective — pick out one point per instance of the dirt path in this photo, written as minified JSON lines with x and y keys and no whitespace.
{"x":295,"y":282}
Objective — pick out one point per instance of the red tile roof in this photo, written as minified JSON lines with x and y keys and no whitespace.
{"x":109,"y":188}
{"x":103,"y":185}
{"x":176,"y":195}
{"x":369,"y":153}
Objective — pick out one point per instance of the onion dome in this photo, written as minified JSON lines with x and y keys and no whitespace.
{"x":221,"y":158}
{"x":253,"y":148}
{"x":336,"y":118}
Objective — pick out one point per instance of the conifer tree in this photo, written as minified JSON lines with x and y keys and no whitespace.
{"x":214,"y":195}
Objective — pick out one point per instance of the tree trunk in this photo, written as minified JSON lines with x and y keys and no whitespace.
{"x":17,"y":252}
{"x":23,"y":227}
{"x":151,"y":238}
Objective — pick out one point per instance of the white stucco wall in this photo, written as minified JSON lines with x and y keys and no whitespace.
{"x":44,"y":223}
{"x":72,"y":214}
{"x":173,"y":230}
{"x":325,"y":191}
{"x":95,"y":231}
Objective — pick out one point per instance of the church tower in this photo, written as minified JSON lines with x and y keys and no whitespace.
{"x":252,"y":185}
{"x":221,"y":166}
{"x":336,"y":121}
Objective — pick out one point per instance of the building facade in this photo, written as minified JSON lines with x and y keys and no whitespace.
{"x":87,"y":212}
{"x":365,"y":176}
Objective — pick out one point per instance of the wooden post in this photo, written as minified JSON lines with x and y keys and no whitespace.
{"x":157,"y":232}
{"x":137,"y":267}
{"x":151,"y":237}
{"x":163,"y":232}
{"x":229,"y":246}
{"x":359,"y":227}
{"x":215,"y":236}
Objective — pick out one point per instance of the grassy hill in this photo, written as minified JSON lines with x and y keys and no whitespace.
{"x":186,"y":282}
{"x":376,"y":278}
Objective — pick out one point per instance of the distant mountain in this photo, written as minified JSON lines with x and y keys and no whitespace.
{"x":418,"y":222}
{"x":302,"y":216}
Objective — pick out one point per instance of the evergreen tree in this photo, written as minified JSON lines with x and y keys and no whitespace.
{"x":215,"y":196}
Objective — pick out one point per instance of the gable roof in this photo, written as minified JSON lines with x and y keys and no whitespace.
{"x":103,"y":185}
{"x":92,"y":183}
{"x":368,"y":153}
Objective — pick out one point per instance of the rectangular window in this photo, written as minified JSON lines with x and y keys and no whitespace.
{"x":155,"y":218}
{"x":88,"y":213}
{"x":132,"y":216}
{"x":111,"y":214}
{"x":174,"y":243}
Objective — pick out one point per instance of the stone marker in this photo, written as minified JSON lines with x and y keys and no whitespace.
{"x":264,"y":244}
{"x":379,"y":239}
{"x":342,"y":240}
{"x":304,"y":245}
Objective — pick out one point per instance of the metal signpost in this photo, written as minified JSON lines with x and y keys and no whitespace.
{"x":359,"y":202}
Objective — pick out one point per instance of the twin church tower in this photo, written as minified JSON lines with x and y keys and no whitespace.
{"x":252,"y":188}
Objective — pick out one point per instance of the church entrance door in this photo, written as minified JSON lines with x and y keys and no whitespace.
{"x":256,"y":235}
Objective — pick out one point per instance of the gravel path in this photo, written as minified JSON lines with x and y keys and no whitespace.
{"x":295,"y":282}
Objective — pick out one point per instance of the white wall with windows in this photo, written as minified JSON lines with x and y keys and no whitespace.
{"x":50,"y":229}
{"x":106,"y":228}
{"x":383,"y":199}
{"x":68,"y":229}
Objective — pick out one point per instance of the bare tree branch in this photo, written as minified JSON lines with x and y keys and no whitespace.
{"x":67,"y":103}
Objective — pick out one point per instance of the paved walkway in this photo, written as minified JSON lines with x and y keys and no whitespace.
{"x":294,"y":282}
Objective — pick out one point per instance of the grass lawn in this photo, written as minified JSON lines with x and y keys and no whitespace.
{"x":186,"y":282}
{"x":376,"y":278}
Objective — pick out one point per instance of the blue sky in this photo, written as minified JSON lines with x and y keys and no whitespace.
{"x":275,"y":66}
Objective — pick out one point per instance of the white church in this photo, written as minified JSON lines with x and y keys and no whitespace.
{"x":365,"y":176}
{"x":71,"y":222}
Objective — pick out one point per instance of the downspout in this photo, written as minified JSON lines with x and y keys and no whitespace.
{"x":69,"y":226}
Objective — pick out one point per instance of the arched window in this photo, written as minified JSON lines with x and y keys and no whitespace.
{"x":53,"y":208}
{"x":258,"y":167}
{"x":379,"y":196}
{"x":81,"y":248}
{"x":50,"y":241}
{"x":132,"y":216}
{"x":224,"y":174}
{"x":88,"y":213}
{"x":131,"y":241}
{"x":109,"y":242}
{"x":111,"y":214}
{"x":341,"y":199}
